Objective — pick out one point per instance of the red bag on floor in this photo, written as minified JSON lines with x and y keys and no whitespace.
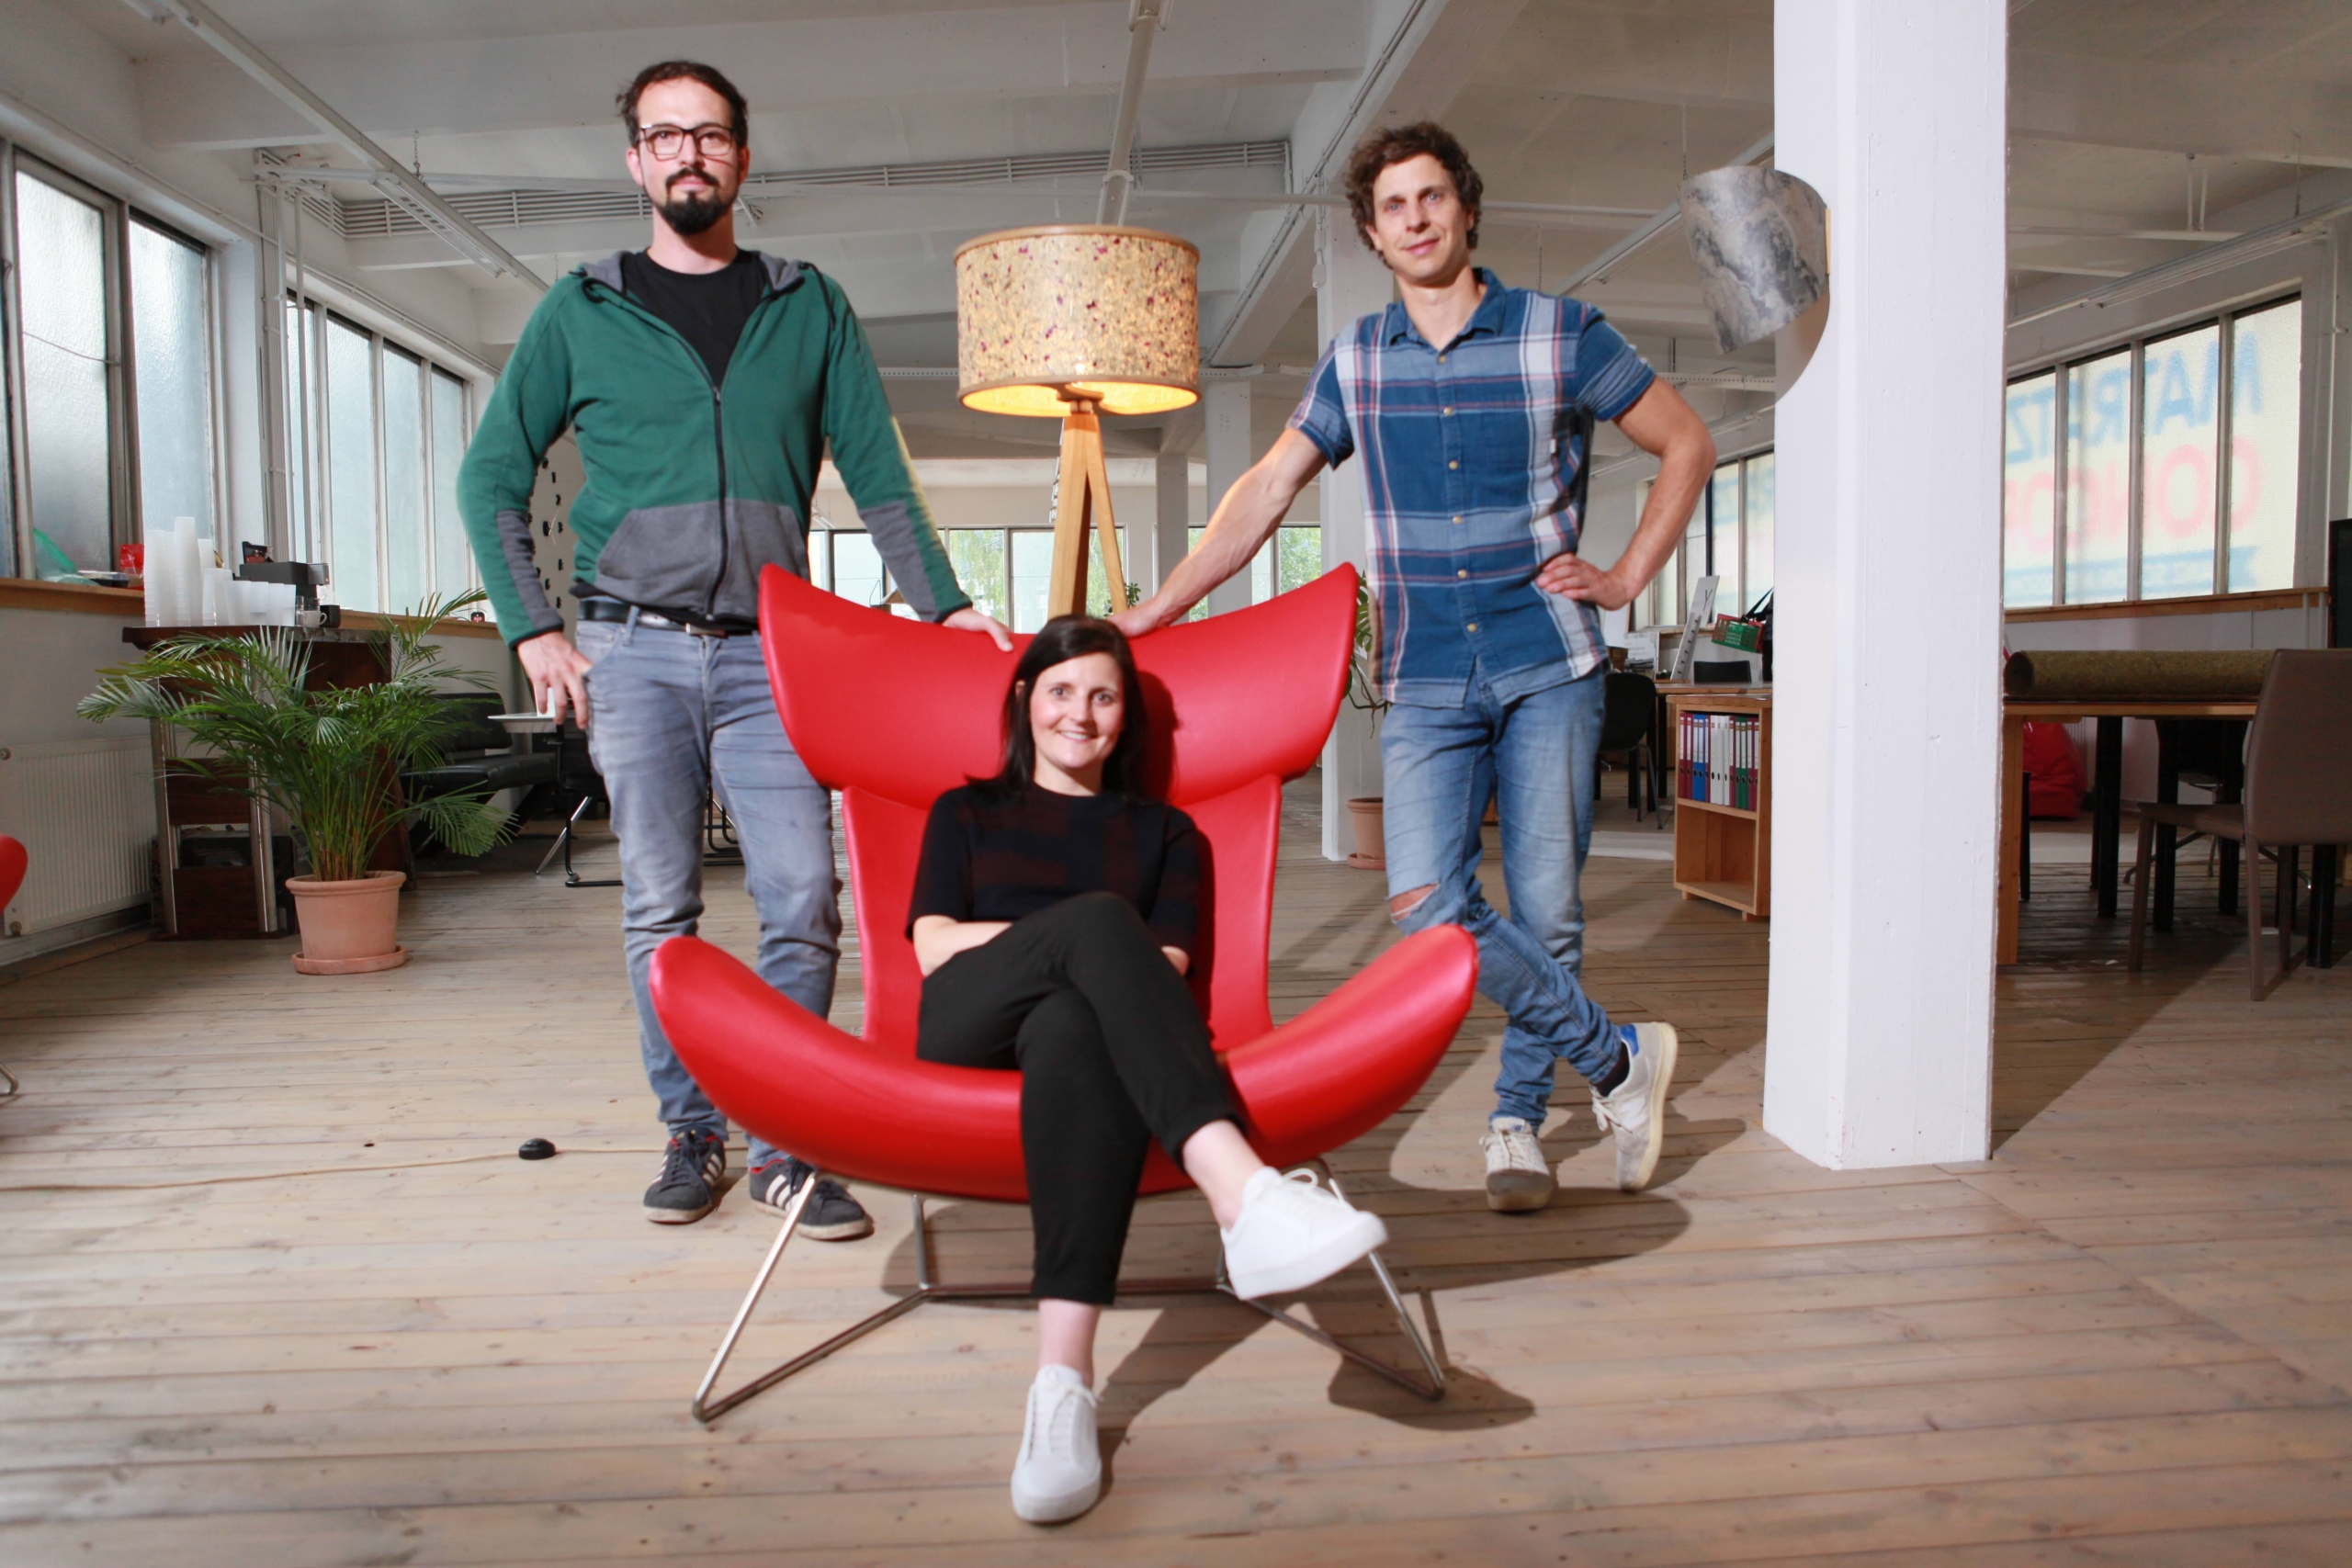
{"x":2056,"y":770}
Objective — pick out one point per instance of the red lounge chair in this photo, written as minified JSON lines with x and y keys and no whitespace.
{"x":13,"y":861}
{"x":1241,"y":703}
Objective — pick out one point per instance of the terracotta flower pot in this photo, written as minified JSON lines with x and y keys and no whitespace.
{"x":1372,"y":843}
{"x":349,"y":927}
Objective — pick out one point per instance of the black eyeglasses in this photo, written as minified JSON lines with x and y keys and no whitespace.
{"x":668,"y":140}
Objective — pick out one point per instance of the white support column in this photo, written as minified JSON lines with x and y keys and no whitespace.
{"x":1172,"y":518}
{"x":1887,"y":718}
{"x":1225,"y":404}
{"x":1349,"y":281}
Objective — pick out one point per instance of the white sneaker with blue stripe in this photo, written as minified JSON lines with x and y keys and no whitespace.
{"x":1634,"y":1111}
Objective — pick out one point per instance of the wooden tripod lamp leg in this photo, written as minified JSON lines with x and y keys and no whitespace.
{"x":1083,"y":496}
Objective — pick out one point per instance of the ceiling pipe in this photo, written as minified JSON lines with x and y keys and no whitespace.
{"x":2310,"y":227}
{"x":1665,"y":219}
{"x":1145,"y":18}
{"x":386,"y":173}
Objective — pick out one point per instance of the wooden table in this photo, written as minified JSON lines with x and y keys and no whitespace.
{"x":2106,"y":793}
{"x":231,"y":901}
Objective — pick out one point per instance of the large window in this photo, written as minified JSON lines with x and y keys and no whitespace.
{"x":1729,"y":537}
{"x":2157,"y":468}
{"x":110,"y":376}
{"x":374,"y":434}
{"x":1007,"y":571}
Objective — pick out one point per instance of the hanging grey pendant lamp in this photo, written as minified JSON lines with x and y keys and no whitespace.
{"x":1762,"y":241}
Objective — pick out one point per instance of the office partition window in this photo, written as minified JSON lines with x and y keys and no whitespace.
{"x":2160,"y":468}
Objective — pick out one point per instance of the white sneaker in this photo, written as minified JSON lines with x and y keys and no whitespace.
{"x":1634,"y":1111}
{"x":1518,"y":1176}
{"x":1061,"y":1472}
{"x":1292,"y":1233}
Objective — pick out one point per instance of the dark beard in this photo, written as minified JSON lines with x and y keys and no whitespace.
{"x":692,"y":213}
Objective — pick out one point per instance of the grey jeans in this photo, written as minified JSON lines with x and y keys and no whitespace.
{"x":672,"y":715}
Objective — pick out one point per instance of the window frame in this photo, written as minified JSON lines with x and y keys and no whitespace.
{"x":308,"y":438}
{"x":2225,"y":316}
{"x":125,"y":496}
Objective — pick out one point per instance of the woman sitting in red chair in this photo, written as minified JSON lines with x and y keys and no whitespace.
{"x":1053,"y":919}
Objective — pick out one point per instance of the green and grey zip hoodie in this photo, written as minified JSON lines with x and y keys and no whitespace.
{"x":692,"y":488}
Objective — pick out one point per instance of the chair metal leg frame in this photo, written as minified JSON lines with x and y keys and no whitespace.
{"x":563,"y":839}
{"x":707,"y":1409}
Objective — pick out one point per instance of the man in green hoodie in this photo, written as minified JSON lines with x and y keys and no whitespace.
{"x":702,"y":384}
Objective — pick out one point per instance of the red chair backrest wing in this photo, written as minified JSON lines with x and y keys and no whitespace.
{"x":13,"y":861}
{"x":893,"y":713}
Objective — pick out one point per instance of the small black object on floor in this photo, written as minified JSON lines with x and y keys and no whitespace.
{"x":535,"y":1148}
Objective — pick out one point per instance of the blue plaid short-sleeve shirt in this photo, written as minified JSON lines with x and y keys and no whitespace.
{"x":1469,"y":469}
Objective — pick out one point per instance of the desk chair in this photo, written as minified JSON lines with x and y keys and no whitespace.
{"x":575,"y":773}
{"x":1240,"y":702}
{"x":2298,"y":791}
{"x":1629,"y":714}
{"x":12,"y":861}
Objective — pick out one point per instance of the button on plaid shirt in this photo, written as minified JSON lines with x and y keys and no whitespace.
{"x":1469,"y":480}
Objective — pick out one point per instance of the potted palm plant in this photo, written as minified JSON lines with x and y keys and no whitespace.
{"x":330,"y":759}
{"x":1364,"y":810}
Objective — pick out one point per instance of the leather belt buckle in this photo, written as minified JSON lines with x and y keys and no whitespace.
{"x":695,"y":629}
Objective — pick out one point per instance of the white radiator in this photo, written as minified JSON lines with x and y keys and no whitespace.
{"x":85,"y":811}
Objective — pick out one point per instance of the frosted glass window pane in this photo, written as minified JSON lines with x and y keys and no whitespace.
{"x":302,"y":426}
{"x":452,"y":555}
{"x":2029,"y":493}
{"x":351,"y":468}
{"x":978,"y":555}
{"x":1692,"y":564}
{"x":1098,"y":587}
{"x":1300,"y":560}
{"x":405,"y":482}
{"x":171,"y":347}
{"x":1724,"y":530}
{"x":1033,"y":563}
{"x":2179,"y":419}
{"x":1262,"y":573}
{"x":2265,"y":422}
{"x":857,"y":569}
{"x":2098,"y":478}
{"x":61,"y":245}
{"x":1758,"y":525}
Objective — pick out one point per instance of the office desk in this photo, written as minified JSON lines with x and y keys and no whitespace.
{"x":2106,"y":793}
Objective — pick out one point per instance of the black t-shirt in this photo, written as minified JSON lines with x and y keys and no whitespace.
{"x":709,"y":308}
{"x":987,"y":857}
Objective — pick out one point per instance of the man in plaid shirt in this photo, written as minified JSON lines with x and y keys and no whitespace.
{"x":1462,"y":398}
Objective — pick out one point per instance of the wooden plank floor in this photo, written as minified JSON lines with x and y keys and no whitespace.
{"x":275,"y":1290}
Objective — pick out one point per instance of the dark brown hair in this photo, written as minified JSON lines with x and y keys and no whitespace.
{"x":1385,"y":149}
{"x":739,"y":119}
{"x":1066,"y":637}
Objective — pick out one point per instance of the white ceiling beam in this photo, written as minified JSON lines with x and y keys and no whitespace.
{"x":457,"y":86}
{"x":2209,"y":109}
{"x":400,"y":184}
{"x":1416,"y":67}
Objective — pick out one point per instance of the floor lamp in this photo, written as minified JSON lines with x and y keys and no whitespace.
{"x":1073,"y":321}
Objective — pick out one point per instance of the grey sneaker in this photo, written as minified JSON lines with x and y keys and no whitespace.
{"x":1634,"y":1111}
{"x":831,"y":1214}
{"x":692,"y":1168}
{"x":1518,"y":1176}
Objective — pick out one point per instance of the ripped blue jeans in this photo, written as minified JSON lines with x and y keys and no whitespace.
{"x":1535,"y":755}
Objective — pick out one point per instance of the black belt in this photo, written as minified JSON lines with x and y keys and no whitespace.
{"x":604,"y":608}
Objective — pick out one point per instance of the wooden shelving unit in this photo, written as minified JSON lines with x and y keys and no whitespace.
{"x":1724,"y":853}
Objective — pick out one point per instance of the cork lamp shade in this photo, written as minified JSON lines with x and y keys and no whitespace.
{"x":1068,"y":313}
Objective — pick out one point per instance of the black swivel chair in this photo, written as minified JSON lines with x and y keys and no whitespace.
{"x":479,"y":756}
{"x":576,"y":774}
{"x":1629,"y":715}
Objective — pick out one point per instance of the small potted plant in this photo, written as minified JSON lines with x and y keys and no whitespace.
{"x":330,"y":759}
{"x":1365,"y":811}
